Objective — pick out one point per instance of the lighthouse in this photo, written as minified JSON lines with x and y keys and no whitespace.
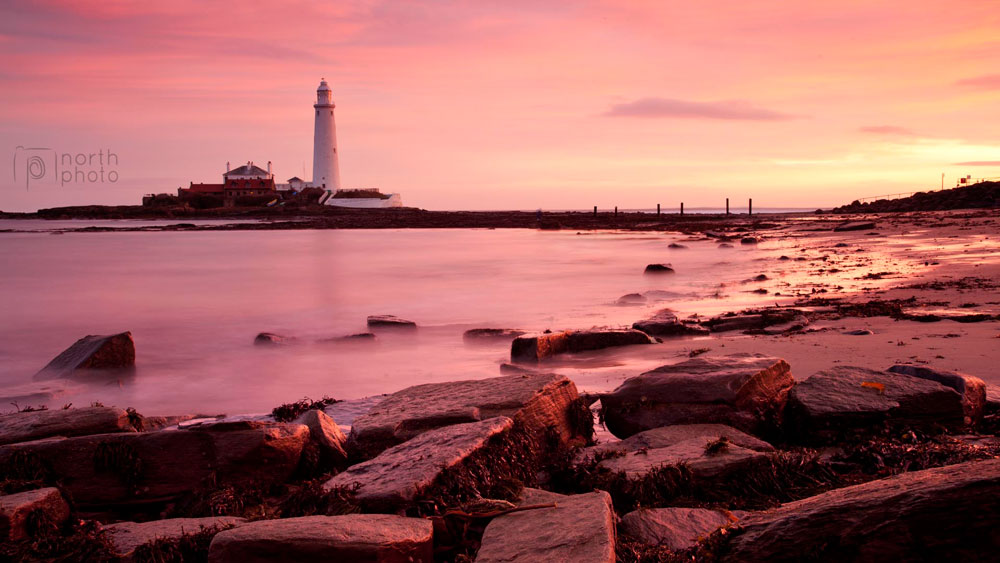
{"x":326,"y":167}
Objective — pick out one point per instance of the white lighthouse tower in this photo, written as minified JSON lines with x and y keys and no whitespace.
{"x":326,"y":167}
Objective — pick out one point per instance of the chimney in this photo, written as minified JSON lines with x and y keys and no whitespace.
{"x":269,"y":167}
{"x":227,"y":166}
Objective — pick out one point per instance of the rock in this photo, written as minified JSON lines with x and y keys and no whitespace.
{"x":854,"y":226}
{"x":940,"y":514}
{"x":16,"y":511}
{"x":756,"y":320}
{"x":155,"y":467}
{"x":859,"y":332}
{"x":796,"y":324}
{"x":35,"y":425}
{"x":992,"y":404}
{"x":152,"y":423}
{"x":747,"y":392}
{"x":126,"y":536}
{"x":580,"y":528}
{"x":376,"y":538}
{"x":401,"y":475}
{"x":845,"y":400}
{"x":667,"y":436}
{"x":972,"y":389}
{"x":535,"y":347}
{"x":726,"y":245}
{"x":760,"y":278}
{"x":749,"y":240}
{"x":630,"y":299}
{"x":665,"y":323}
{"x":272,"y":339}
{"x":325,"y":433}
{"x":538,"y":401}
{"x":390,"y":321}
{"x":704,"y":461}
{"x":673,"y":528}
{"x":112,"y":352}
{"x":491,"y":334}
{"x":676,"y":246}
{"x":359,"y":338}
{"x":658,"y":269}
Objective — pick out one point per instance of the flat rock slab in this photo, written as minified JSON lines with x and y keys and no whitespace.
{"x":390,"y":321}
{"x":972,"y":389}
{"x":35,"y":425}
{"x":847,"y":399}
{"x":745,"y":391}
{"x":760,"y":320}
{"x":16,"y":508}
{"x":111,"y":352}
{"x":667,"y":436}
{"x":150,"y":467}
{"x":491,"y":334}
{"x":126,"y":536}
{"x":272,"y":339}
{"x":941,"y":514}
{"x":581,"y":528}
{"x":673,"y":528}
{"x":538,"y":401}
{"x":535,"y":347}
{"x":694,"y":453}
{"x":665,"y":323}
{"x":400,"y":475}
{"x":854,"y":226}
{"x":376,"y":538}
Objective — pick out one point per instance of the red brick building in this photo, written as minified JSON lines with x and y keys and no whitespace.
{"x":247,"y":180}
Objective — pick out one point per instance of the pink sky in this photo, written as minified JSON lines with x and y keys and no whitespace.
{"x":514,"y":104}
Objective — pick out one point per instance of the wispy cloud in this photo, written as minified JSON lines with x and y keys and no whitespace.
{"x":979,"y":163}
{"x":683,"y":109}
{"x":885,"y":130}
{"x":986,"y":82}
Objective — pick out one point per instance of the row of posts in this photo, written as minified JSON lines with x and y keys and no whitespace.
{"x":749,"y":208}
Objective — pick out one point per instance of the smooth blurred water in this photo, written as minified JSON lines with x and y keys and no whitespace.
{"x":195,"y":300}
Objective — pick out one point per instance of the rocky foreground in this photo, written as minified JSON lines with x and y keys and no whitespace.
{"x":728,"y":458}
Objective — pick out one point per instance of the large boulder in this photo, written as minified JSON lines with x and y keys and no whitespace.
{"x":745,"y":391}
{"x":579,"y":528}
{"x":535,"y":347}
{"x":538,"y":401}
{"x":376,"y":538}
{"x":403,"y":474}
{"x":665,"y":323}
{"x":151,"y":467}
{"x":18,"y":509}
{"x":326,"y":434}
{"x":673,"y":528}
{"x":110,"y":352}
{"x":846,"y":400}
{"x":972,"y":389}
{"x":127,"y":536}
{"x":941,"y":514}
{"x":35,"y":425}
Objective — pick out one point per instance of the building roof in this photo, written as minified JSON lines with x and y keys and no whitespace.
{"x":294,"y":179}
{"x":247,"y":170}
{"x":205,"y":188}
{"x":323,"y":86}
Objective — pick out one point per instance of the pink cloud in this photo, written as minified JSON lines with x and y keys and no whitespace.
{"x":986,"y":82}
{"x":979,"y":163}
{"x":885,"y":130}
{"x":664,"y":107}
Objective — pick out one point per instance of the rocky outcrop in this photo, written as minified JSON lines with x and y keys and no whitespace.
{"x":764,"y":321}
{"x":972,"y":389}
{"x":665,"y":323}
{"x":940,"y":514}
{"x":579,"y":528}
{"x":150,"y":467}
{"x":847,"y":400}
{"x":535,"y":347}
{"x":376,"y":538}
{"x":673,"y":528}
{"x":658,"y":269}
{"x":35,"y":425}
{"x":127,"y":536}
{"x":16,"y":510}
{"x":402,"y":474}
{"x":538,"y":401}
{"x":272,"y":339}
{"x":390,"y":321}
{"x":91,"y":353}
{"x":488,"y":334}
{"x":747,"y":392}
{"x":854,"y":226}
{"x":992,"y":404}
{"x":327,"y":435}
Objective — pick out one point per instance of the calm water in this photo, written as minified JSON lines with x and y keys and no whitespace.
{"x":195,"y":300}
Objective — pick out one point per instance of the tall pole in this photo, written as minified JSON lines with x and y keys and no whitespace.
{"x":727,"y":206}
{"x":682,"y":208}
{"x":942,"y":180}
{"x":657,"y":209}
{"x":750,"y":209}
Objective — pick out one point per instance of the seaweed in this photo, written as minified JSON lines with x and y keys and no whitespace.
{"x":23,"y":470}
{"x":122,"y":460}
{"x":135,"y":420}
{"x":79,"y":540}
{"x":188,"y":548}
{"x":311,"y":498}
{"x":290,"y":411}
{"x":581,"y":420}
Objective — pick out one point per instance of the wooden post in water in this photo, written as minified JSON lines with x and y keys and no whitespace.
{"x":682,"y":208}
{"x":616,"y":211}
{"x":750,"y":208}
{"x":595,"y":211}
{"x":727,"y":206}
{"x":657,"y":209}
